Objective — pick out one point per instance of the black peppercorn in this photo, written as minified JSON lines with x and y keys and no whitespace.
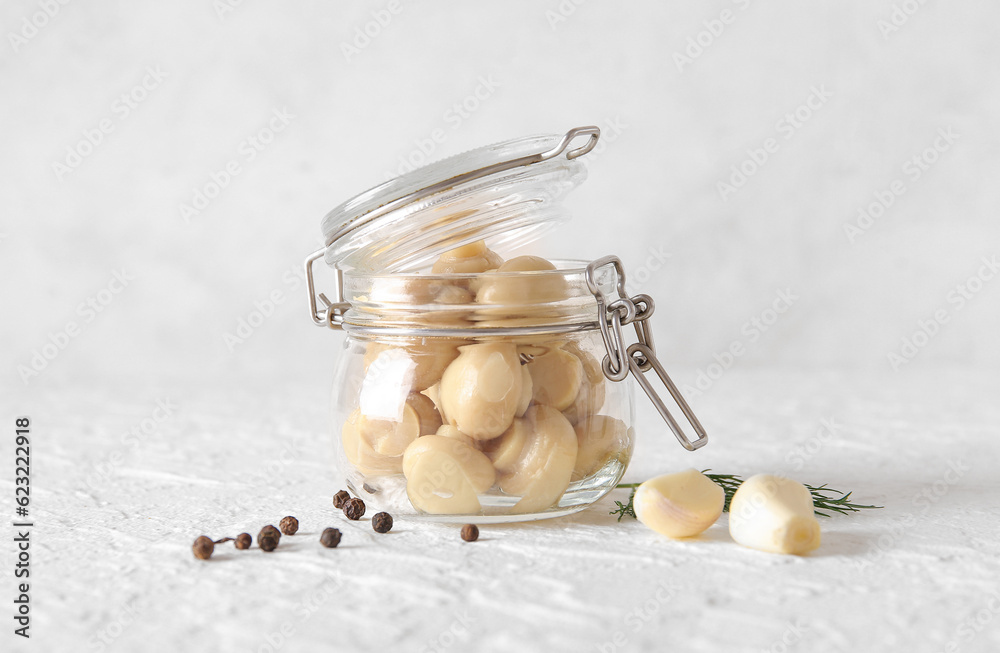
{"x":243,"y":541}
{"x":340,"y":498}
{"x":268,"y":538}
{"x":289,"y":525}
{"x":267,"y":541}
{"x":330,"y":538}
{"x":470,"y":532}
{"x":354,"y":509}
{"x":382,"y":522}
{"x":203,"y":547}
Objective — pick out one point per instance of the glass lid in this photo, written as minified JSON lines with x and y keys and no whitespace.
{"x":508,"y":194}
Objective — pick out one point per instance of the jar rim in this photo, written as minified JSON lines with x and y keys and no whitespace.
{"x":407,"y":302}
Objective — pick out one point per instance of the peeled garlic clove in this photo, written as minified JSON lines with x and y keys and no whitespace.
{"x":774,"y":514}
{"x":428,"y":419}
{"x":444,"y":475}
{"x":467,"y":259}
{"x":522,"y":289}
{"x":505,"y":451}
{"x":526,"y":392}
{"x":435,"y":485}
{"x":427,"y":358}
{"x":360,"y":453}
{"x":416,"y":291}
{"x":390,"y":437}
{"x":679,"y":505}
{"x":590,"y":398}
{"x":541,"y":472}
{"x":474,"y":463}
{"x":449,"y":431}
{"x":434,"y":394}
{"x":555,"y":378}
{"x":481,"y":389}
{"x":599,"y":438}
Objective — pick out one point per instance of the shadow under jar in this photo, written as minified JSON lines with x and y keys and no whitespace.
{"x":470,"y":387}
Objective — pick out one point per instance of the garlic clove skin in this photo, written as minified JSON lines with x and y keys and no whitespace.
{"x":774,"y":514}
{"x":679,"y":505}
{"x":480,"y":391}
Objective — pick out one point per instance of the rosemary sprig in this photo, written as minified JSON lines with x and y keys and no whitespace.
{"x":823,"y":497}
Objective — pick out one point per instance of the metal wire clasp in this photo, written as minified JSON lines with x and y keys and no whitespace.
{"x":332,"y":314}
{"x":640,"y":357}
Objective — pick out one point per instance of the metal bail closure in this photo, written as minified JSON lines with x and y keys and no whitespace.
{"x":640,"y":357}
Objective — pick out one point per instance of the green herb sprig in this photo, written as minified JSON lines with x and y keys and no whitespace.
{"x":823,"y":497}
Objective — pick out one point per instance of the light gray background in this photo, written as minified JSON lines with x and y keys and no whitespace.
{"x":654,"y":186}
{"x":671,"y":136}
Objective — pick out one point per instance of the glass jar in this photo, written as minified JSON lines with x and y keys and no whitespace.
{"x":473,"y":388}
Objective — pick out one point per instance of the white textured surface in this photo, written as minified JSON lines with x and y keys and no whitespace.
{"x":712,"y":264}
{"x":652,"y":195}
{"x":569,"y":584}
